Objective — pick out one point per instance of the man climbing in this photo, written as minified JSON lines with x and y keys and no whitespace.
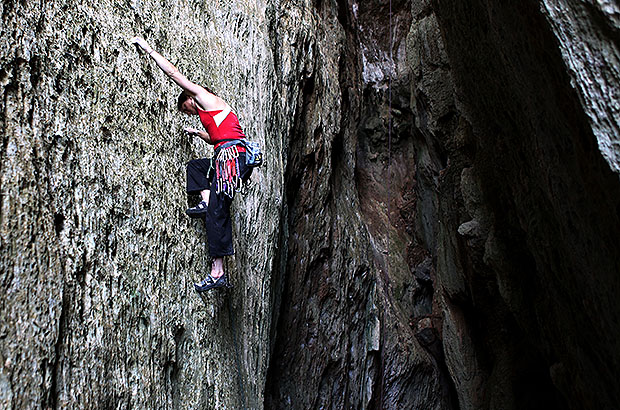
{"x":215,"y":179}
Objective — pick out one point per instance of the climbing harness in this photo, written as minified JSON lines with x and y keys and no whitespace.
{"x":253,"y":153}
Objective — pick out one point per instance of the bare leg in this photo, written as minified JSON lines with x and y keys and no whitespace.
{"x":205,"y":195}
{"x":216,"y":278}
{"x":217,"y":269}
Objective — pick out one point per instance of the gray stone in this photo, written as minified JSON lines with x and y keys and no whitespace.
{"x":435,"y":226}
{"x":98,"y":258}
{"x":587,"y":32}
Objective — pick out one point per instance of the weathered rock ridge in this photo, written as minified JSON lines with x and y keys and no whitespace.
{"x":435,"y":227}
{"x":537,"y":253}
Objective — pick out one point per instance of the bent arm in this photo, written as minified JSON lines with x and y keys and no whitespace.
{"x":171,"y":71}
{"x":202,"y":134}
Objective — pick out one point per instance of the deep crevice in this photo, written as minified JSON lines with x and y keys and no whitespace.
{"x":59,"y":223}
{"x":55,"y":370}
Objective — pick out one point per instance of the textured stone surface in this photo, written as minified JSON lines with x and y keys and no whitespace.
{"x":436,"y":226}
{"x":346,"y":331}
{"x":526,"y":206}
{"x":588,"y":33}
{"x":98,"y":258}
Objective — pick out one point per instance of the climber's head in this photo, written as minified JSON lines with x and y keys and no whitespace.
{"x":186,"y":104}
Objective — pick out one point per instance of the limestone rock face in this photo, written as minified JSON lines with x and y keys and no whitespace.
{"x":98,"y":257}
{"x":435,"y":227}
{"x":587,"y":34}
{"x":527,"y":226}
{"x":345,"y":335}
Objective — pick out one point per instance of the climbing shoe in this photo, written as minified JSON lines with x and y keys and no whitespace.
{"x":211,"y":283}
{"x":198,"y":211}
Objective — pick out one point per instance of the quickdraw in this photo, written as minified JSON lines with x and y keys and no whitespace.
{"x":227,"y":175}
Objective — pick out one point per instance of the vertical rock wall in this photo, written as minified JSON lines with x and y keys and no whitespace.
{"x":435,"y":226}
{"x":346,"y":334}
{"x":517,"y":105}
{"x":587,"y":35}
{"x":98,"y":257}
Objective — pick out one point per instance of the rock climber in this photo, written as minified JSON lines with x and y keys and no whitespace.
{"x":215,"y":179}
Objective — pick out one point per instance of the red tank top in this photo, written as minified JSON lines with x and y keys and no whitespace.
{"x":228,"y":129}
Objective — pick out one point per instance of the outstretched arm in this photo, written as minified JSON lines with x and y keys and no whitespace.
{"x":205,"y":98}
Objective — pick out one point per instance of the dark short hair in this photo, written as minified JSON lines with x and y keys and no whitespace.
{"x":184,"y":96}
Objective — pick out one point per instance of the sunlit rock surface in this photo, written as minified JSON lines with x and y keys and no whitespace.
{"x":98,"y":257}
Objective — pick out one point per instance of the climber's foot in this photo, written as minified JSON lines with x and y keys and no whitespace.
{"x":198,"y":211}
{"x":211,"y":283}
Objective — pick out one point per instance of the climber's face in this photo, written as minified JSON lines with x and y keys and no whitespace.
{"x":189,"y":107}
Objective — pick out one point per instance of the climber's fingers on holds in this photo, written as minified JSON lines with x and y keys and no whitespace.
{"x":139,"y":41}
{"x":190,"y":131}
